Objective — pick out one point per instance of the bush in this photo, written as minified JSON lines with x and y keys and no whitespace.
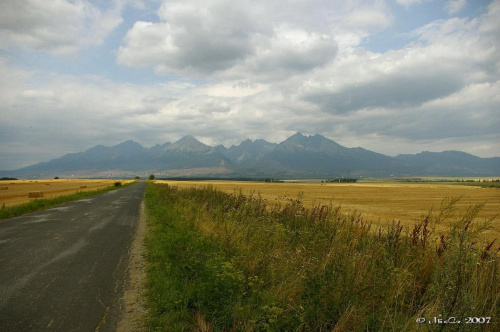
{"x":118,"y":184}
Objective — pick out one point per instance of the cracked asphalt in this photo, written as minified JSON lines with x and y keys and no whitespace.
{"x":63,"y":269}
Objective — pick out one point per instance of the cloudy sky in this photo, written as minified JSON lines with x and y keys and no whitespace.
{"x":392,"y":76}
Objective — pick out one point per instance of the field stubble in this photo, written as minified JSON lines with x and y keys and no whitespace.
{"x":17,"y":192}
{"x":378,"y":202}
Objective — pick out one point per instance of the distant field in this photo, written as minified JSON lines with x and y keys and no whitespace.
{"x":17,"y":192}
{"x":384,"y":201}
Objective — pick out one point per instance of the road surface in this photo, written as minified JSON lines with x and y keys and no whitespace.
{"x":63,"y":269}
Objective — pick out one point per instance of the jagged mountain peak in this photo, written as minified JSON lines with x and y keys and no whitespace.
{"x":248,"y":151}
{"x":97,"y":148}
{"x":188,"y":138}
{"x":128,"y":145}
{"x":159,"y":148}
{"x":246,"y":142}
{"x":188,"y":143}
{"x":221,"y":148}
{"x":262,"y":141}
{"x":299,"y":137}
{"x":127,"y":142}
{"x":316,"y":143}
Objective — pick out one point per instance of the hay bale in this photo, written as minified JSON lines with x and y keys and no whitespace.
{"x":4,"y":188}
{"x":83,"y":187}
{"x":35,"y":194}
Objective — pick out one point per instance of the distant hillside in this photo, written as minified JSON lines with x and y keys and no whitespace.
{"x":188,"y":153}
{"x":126,"y":156}
{"x":299,"y":156}
{"x":321,"y":156}
{"x":454,"y":163}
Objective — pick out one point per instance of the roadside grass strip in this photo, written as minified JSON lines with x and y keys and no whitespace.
{"x":221,"y":262}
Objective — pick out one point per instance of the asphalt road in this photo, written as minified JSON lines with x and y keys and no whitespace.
{"x":63,"y":269}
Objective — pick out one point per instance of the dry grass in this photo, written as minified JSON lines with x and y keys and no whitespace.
{"x":387,"y":201}
{"x":17,"y":192}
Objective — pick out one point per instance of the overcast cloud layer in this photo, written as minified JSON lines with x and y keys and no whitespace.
{"x":393,"y":76}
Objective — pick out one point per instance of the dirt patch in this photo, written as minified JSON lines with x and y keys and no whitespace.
{"x":134,"y":314}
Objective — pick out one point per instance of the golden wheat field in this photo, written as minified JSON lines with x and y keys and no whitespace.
{"x":18,"y":191}
{"x":377,"y":202}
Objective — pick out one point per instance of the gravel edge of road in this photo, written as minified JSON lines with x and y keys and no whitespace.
{"x":134,"y":311}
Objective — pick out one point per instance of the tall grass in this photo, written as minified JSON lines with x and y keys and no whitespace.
{"x":234,"y":263}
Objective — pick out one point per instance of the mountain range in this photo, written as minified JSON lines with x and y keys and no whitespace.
{"x":299,"y":156}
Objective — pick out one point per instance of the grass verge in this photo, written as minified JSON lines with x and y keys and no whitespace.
{"x":220,"y":262}
{"x":47,"y":203}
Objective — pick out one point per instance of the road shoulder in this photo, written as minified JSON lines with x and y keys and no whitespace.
{"x":134,"y":311}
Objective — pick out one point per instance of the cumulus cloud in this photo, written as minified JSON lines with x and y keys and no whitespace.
{"x":191,"y":36}
{"x":396,"y":86}
{"x":288,"y":52}
{"x":446,"y":57}
{"x":466,"y":120}
{"x":265,"y":40}
{"x":60,"y":27}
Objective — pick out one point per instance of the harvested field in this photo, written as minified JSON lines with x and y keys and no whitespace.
{"x":384,"y":201}
{"x":20,"y":191}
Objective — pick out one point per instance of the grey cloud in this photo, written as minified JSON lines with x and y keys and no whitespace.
{"x":448,"y":56}
{"x":470,"y":114}
{"x":425,"y":125}
{"x":59,"y":27}
{"x":397,"y":91}
{"x":152,"y":103}
{"x":228,"y":39}
{"x":193,"y":37}
{"x":210,"y":38}
{"x":209,"y":54}
{"x":289,"y":52}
